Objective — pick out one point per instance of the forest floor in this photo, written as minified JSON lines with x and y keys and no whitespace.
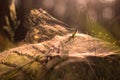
{"x":51,"y":52}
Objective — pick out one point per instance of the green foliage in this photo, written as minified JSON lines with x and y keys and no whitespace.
{"x":97,"y":30}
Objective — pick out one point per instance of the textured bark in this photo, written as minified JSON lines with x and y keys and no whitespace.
{"x":60,"y":59}
{"x":38,"y":26}
{"x":63,"y":57}
{"x":41,"y":26}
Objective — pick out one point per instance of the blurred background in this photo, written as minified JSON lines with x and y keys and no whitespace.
{"x":99,"y":18}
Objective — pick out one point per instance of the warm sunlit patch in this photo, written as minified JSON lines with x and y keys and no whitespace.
{"x":81,"y":35}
